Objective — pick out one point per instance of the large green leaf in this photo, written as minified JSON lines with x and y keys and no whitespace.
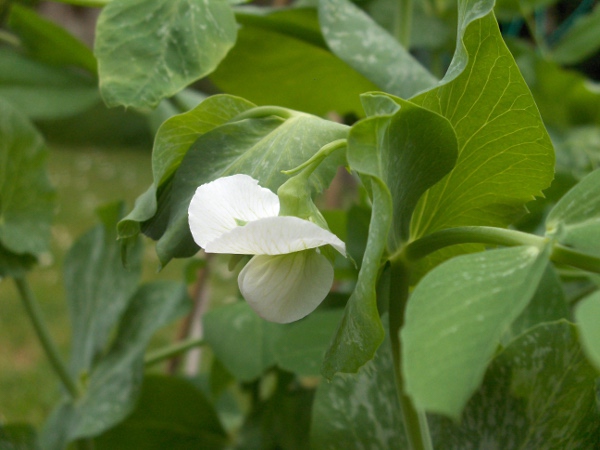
{"x":581,"y":41}
{"x":455,"y":318}
{"x":246,"y":348}
{"x":98,"y":288}
{"x":355,"y":38}
{"x":284,"y":61}
{"x":505,"y":155}
{"x":44,"y":91}
{"x":151,"y":49}
{"x":359,"y":410}
{"x":48,"y":42}
{"x":259,"y":147}
{"x":173,"y":140}
{"x":539,"y":393}
{"x":26,"y":196}
{"x":575,"y":220}
{"x":587,"y":315}
{"x":171,"y":413}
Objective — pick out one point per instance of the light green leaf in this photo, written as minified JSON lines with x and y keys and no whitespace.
{"x":259,"y":147}
{"x":301,"y":347}
{"x":171,"y":413}
{"x":539,"y":393}
{"x":48,"y":42}
{"x":26,"y":196}
{"x":359,"y":410}
{"x":44,"y":91}
{"x":505,"y":155}
{"x":295,"y":69}
{"x":173,"y":140}
{"x":355,"y":38}
{"x":587,"y":315}
{"x":246,"y":348}
{"x":98,"y":288}
{"x":360,"y":332}
{"x":581,"y":41}
{"x":575,"y":220}
{"x":151,"y":49}
{"x":455,"y":318}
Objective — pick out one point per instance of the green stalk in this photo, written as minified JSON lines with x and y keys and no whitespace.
{"x":265,"y":111}
{"x":35,"y":315}
{"x":88,"y":3}
{"x":415,"y":422}
{"x":170,"y":351}
{"x":403,"y":22}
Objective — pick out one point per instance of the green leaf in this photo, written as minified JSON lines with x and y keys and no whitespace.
{"x":539,"y":393}
{"x":587,"y":315}
{"x":173,"y":140}
{"x":171,"y":413}
{"x":581,"y":41}
{"x":26,"y":196}
{"x":409,"y":150}
{"x":301,"y":347}
{"x":151,"y":49}
{"x":505,"y":155}
{"x":259,"y":147}
{"x":48,"y":42}
{"x":575,"y":220}
{"x":98,"y":288}
{"x":295,"y":69}
{"x":547,"y":305}
{"x":246,"y":349}
{"x":44,"y":91}
{"x":355,"y":38}
{"x":18,"y":437}
{"x":455,"y":318}
{"x":359,"y":410}
{"x":360,"y":332}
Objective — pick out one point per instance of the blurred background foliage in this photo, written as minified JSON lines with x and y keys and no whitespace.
{"x":99,"y":155}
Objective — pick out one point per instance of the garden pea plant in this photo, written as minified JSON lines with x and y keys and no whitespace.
{"x":406,"y":193}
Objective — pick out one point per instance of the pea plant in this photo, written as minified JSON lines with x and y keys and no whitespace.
{"x":448,"y":298}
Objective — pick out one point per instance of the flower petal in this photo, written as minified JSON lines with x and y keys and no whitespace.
{"x":286,"y":288}
{"x":216,"y":206}
{"x":274,"y":236}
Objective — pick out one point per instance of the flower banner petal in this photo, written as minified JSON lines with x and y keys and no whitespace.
{"x":286,"y":288}
{"x":274,"y":236}
{"x":216,"y":206}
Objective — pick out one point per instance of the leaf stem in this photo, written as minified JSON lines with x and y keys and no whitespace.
{"x":35,"y":315}
{"x":265,"y":111}
{"x":415,"y":421}
{"x":170,"y":351}
{"x":316,"y":159}
{"x":403,"y":22}
{"x":88,"y":3}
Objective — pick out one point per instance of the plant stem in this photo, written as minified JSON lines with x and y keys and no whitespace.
{"x":316,"y":159}
{"x":35,"y":315}
{"x":88,"y":3}
{"x":265,"y":111}
{"x":403,"y":23}
{"x":415,"y":422}
{"x":171,"y":350}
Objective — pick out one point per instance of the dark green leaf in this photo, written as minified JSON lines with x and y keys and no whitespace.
{"x":356,"y":39}
{"x":360,"y":331}
{"x":455,"y":318}
{"x":575,"y":220}
{"x":246,"y":348}
{"x":171,"y":414}
{"x":26,"y":196}
{"x":587,"y":315}
{"x":505,"y":155}
{"x":359,"y":410}
{"x":44,"y":91}
{"x":295,"y":69}
{"x":539,"y":393}
{"x":98,"y":288}
{"x":48,"y":42}
{"x":581,"y":41}
{"x":18,"y":437}
{"x":151,"y":49}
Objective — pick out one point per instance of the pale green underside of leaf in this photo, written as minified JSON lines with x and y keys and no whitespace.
{"x":505,"y":154}
{"x":587,"y":315}
{"x":26,"y":196}
{"x":151,"y":49}
{"x":455,"y":318}
{"x":539,"y":393}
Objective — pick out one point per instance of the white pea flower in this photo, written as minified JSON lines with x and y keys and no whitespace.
{"x":288,"y":277}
